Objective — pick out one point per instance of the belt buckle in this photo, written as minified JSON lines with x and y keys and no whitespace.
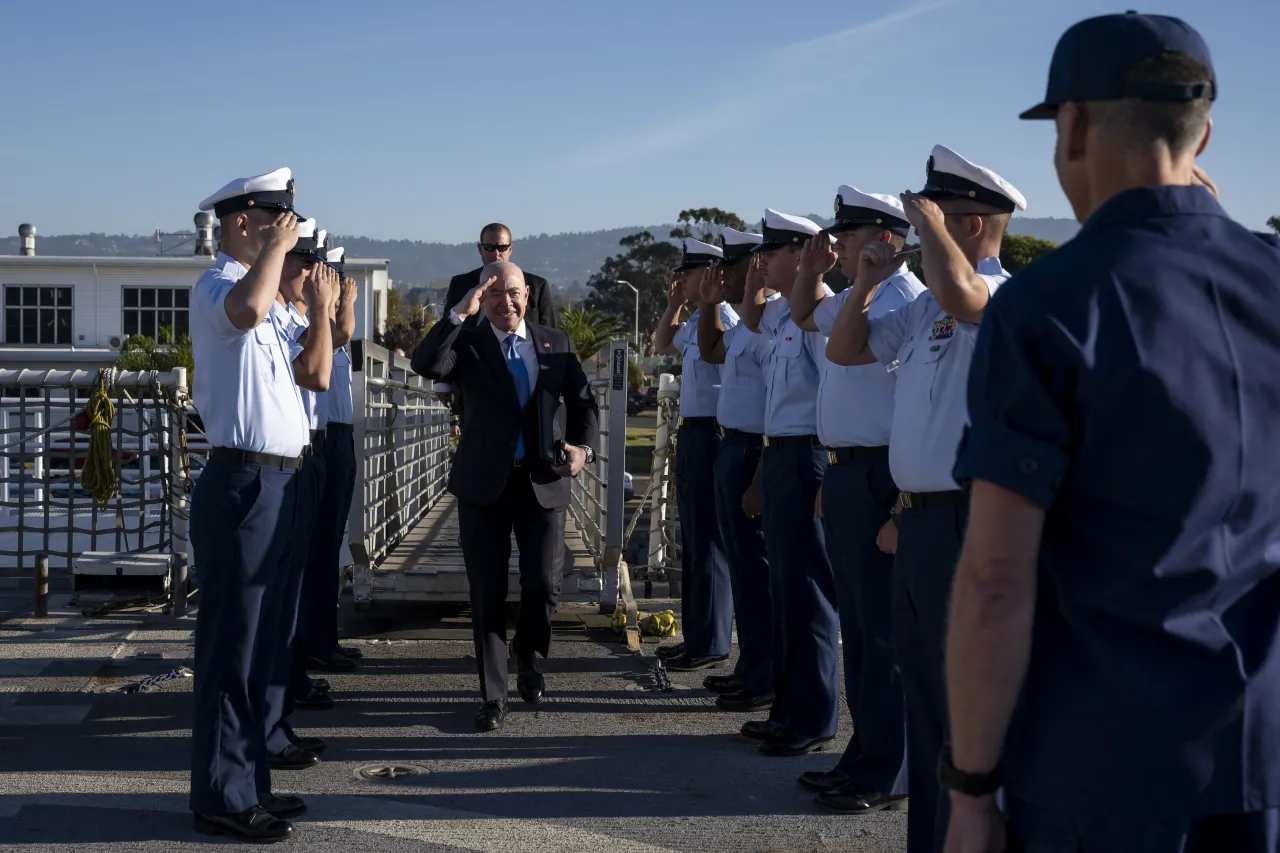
{"x":906,"y":500}
{"x":680,"y":422}
{"x":766,"y":441}
{"x":831,"y":457}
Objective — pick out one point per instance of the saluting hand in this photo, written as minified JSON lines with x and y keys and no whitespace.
{"x":675,"y":293}
{"x":318,"y":287}
{"x":577,"y":459}
{"x":876,"y":262}
{"x":282,"y":232}
{"x":470,"y":303}
{"x":922,"y":212}
{"x":711,"y":288}
{"x":817,"y":257}
{"x":350,"y":293}
{"x":755,"y":274}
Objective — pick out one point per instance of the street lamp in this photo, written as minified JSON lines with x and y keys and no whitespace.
{"x":637,"y":292}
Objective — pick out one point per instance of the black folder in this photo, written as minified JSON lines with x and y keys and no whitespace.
{"x":551,"y":427}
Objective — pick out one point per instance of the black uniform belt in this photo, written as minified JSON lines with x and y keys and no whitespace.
{"x":698,"y":421}
{"x":317,"y":437}
{"x":340,"y":428}
{"x":771,"y":440}
{"x":840,"y":455}
{"x":266,"y":460}
{"x":728,"y":431}
{"x":932,"y":500}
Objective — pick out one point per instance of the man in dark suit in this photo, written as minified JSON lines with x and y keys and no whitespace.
{"x":508,"y":474}
{"x":495,"y":245}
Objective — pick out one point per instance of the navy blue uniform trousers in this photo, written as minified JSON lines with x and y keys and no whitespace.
{"x":242,"y":527}
{"x":929,"y":539}
{"x":857,"y":499}
{"x":706,"y":595}
{"x":743,"y":538}
{"x":806,"y":636}
{"x":1039,"y":829}
{"x":318,"y":621}
{"x":290,"y":677}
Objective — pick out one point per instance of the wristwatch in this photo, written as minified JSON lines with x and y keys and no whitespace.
{"x":591,"y":454}
{"x":970,"y":784}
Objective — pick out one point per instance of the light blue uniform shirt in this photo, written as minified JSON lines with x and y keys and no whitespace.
{"x":339,"y":395}
{"x":855,"y":403}
{"x":246,"y":394}
{"x":793,"y":375}
{"x":933,"y":352}
{"x":699,"y":381}
{"x":315,"y":402}
{"x":742,"y":391}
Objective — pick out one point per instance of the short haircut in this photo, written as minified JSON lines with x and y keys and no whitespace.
{"x":503,"y":270}
{"x":1179,"y":125}
{"x":494,"y":227}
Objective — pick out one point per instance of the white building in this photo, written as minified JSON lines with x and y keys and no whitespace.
{"x":76,"y":311}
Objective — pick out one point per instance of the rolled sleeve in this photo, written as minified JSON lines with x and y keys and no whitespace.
{"x":213,"y":291}
{"x":1019,"y":385}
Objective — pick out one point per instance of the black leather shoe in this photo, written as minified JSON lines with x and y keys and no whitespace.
{"x":321,"y":684}
{"x":253,"y":824}
{"x":529,"y":681}
{"x":310,"y":744}
{"x":850,"y":799}
{"x":671,"y":651}
{"x":350,"y":651}
{"x":294,"y":758}
{"x":724,"y":683}
{"x":823,"y":780}
{"x":335,"y":661}
{"x":282,"y":807}
{"x":788,"y":744}
{"x":685,"y":663}
{"x":744,"y":701}
{"x":490,"y":716}
{"x":316,"y":700}
{"x":760,"y":729}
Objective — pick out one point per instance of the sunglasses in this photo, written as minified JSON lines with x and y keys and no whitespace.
{"x":495,"y":247}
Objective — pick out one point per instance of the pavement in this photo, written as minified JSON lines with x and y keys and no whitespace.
{"x":606,"y":763}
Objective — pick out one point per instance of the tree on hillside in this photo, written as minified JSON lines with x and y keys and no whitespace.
{"x":704,"y":223}
{"x":646,"y":264}
{"x":590,"y":330}
{"x":1018,"y":251}
{"x":1274,"y":224}
{"x":406,"y":324}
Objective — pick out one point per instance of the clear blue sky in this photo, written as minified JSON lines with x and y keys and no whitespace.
{"x":423,"y":120}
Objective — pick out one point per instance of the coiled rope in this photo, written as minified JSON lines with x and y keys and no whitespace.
{"x":99,"y":476}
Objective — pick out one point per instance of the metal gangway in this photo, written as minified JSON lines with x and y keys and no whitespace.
{"x":402,"y":531}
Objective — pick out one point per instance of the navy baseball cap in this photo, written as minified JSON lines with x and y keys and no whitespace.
{"x":1094,"y":58}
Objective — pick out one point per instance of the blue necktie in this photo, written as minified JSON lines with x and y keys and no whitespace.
{"x":520,"y":376}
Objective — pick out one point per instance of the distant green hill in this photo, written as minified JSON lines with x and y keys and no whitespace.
{"x":563,"y":259}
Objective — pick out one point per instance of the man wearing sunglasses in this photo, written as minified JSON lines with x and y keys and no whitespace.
{"x":495,"y":245}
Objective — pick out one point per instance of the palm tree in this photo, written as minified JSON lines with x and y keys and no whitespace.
{"x":590,"y":329}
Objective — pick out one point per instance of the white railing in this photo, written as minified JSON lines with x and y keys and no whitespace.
{"x":598,"y":499}
{"x":44,"y":508}
{"x":664,"y":532}
{"x":402,"y":443}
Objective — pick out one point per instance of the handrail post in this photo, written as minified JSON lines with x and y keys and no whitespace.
{"x":615,"y":497}
{"x":357,"y":539}
{"x":179,"y":505}
{"x":663,"y":471}
{"x":42,"y":586}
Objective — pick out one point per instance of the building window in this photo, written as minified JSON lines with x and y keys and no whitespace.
{"x":147,"y":310}
{"x":37,"y":315}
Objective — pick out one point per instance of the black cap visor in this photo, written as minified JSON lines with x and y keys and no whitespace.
{"x":1040,"y":112}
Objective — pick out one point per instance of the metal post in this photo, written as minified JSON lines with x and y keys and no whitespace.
{"x":361,"y":579}
{"x":662,"y":471}
{"x":42,"y":586}
{"x":178,"y":585}
{"x":637,"y":292}
{"x":614,"y":476}
{"x":179,"y":505}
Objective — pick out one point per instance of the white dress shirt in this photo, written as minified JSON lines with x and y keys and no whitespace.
{"x":855,"y":403}
{"x":296,"y":324}
{"x":246,"y":393}
{"x":699,"y":381}
{"x":524,"y":346}
{"x":742,"y":392}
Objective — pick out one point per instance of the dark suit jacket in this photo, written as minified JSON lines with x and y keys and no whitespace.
{"x":540,"y":309}
{"x":471,"y":359}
